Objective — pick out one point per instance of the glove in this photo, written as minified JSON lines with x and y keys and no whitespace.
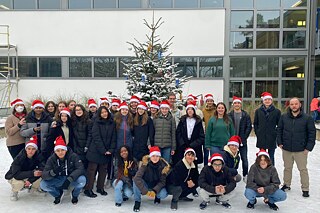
{"x":151,"y":194}
{"x":65,"y":184}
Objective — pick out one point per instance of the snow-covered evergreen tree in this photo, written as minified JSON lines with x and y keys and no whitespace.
{"x":151,"y":74}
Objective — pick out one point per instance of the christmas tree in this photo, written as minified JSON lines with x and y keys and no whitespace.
{"x":151,"y":75}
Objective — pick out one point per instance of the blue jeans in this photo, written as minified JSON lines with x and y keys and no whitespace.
{"x":137,"y":193}
{"x":121,"y":189}
{"x":215,"y":149}
{"x":243,"y":150}
{"x":277,"y":196}
{"x":315,"y":115}
{"x":52,"y":186}
{"x":166,"y":153}
{"x":205,"y":156}
{"x":271,"y":154}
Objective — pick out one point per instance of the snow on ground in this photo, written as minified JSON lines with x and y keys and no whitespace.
{"x":41,"y":203}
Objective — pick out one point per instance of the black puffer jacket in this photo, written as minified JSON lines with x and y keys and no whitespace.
{"x":296,"y":133}
{"x":82,"y":135}
{"x":183,"y":172}
{"x":245,"y":125}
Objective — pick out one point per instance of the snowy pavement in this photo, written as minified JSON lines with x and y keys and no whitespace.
{"x":40,"y":203}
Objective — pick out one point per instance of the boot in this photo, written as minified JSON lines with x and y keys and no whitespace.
{"x":102,"y":192}
{"x":273,"y":206}
{"x":174,"y":205}
{"x":58,"y":199}
{"x":285,"y":188}
{"x":251,"y":205}
{"x":203,"y":205}
{"x":305,"y":193}
{"x":14,"y":196}
{"x":89,"y":193}
{"x":136,"y":207}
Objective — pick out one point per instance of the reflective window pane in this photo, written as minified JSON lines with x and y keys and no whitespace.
{"x":49,"y":4}
{"x":317,"y":69}
{"x":240,"y":89}
{"x":5,"y":4}
{"x":121,"y":66}
{"x":270,"y":86}
{"x":210,"y":67}
{"x":50,"y":67}
{"x":293,"y":67}
{"x":105,"y":67}
{"x":129,"y":4}
{"x":27,"y":67}
{"x":268,"y":19}
{"x":267,"y":40}
{"x":186,"y":66}
{"x":160,"y":3}
{"x":104,"y":4}
{"x":292,"y":89}
{"x":80,"y":67}
{"x":211,"y":3}
{"x":241,"y":19}
{"x":294,"y":39}
{"x":186,"y":3}
{"x":241,"y":40}
{"x":79,"y":4}
{"x":267,"y":66}
{"x":241,"y":66}
{"x":294,"y":3}
{"x":239,"y":4}
{"x":294,"y":18}
{"x":269,"y":4}
{"x":24,"y":4}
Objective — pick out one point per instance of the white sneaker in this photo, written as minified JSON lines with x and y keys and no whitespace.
{"x":245,"y":179}
{"x":14,"y":196}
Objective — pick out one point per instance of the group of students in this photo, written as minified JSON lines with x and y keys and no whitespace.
{"x":150,"y":150}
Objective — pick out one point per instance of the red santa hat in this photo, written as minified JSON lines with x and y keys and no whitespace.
{"x":192,"y":104}
{"x":32,"y":142}
{"x":236,"y":99}
{"x":142,"y":105}
{"x":134,"y":98}
{"x":192,"y":97}
{"x":266,"y":95}
{"x":208,"y":97}
{"x":190,"y":150}
{"x":155,"y":104}
{"x":104,"y":100}
{"x":123,"y":105}
{"x":154,"y":150}
{"x":115,"y":102}
{"x":92,"y":102}
{"x":65,"y":111}
{"x":37,"y":103}
{"x":263,"y":152}
{"x":60,"y":144}
{"x":235,"y":140}
{"x":165,"y":103}
{"x":215,"y":156}
{"x":15,"y":102}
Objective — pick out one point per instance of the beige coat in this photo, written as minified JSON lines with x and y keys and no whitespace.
{"x":13,"y":131}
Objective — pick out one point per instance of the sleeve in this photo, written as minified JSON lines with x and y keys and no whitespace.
{"x":232,"y":132}
{"x":16,"y":170}
{"x":179,"y":138}
{"x":203,"y":182}
{"x":47,"y":173}
{"x":151,"y":132}
{"x":248,"y":126}
{"x":280,"y":131}
{"x":50,"y":140}
{"x":10,"y":127}
{"x":139,"y":181}
{"x":311,"y":134}
{"x":231,"y":183}
{"x":26,"y":131}
{"x":250,"y":179}
{"x":79,"y":168}
{"x":256,"y":121}
{"x":274,"y":183}
{"x":173,"y":134}
{"x":160,"y":184}
{"x":89,"y":132}
{"x":208,"y":133}
{"x":97,"y":140}
{"x":113,"y":139}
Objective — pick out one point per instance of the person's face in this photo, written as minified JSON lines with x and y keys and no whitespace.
{"x":114,"y":107}
{"x":155,"y":159}
{"x":93,"y":109}
{"x":210,"y":102}
{"x":140,"y":111}
{"x":220,"y":109}
{"x":172,"y":99}
{"x":217,"y":165}
{"x":267,"y":102}
{"x":190,"y":112}
{"x":295,"y":105}
{"x":189,"y":157}
{"x":64,"y":117}
{"x":124,"y":153}
{"x":124,"y":112}
{"x":72,"y":105}
{"x":78,"y":111}
{"x":30,"y":150}
{"x":38,"y":110}
{"x":50,"y":108}
{"x":237,"y":105}
{"x":104,"y":104}
{"x":60,"y":153}
{"x":104,"y":113}
{"x":164,"y":110}
{"x":61,"y":106}
{"x":153,"y":110}
{"x":233,"y":148}
{"x":263,"y":163}
{"x":133,"y":105}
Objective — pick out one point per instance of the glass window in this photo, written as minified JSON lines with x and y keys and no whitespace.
{"x":211,"y":3}
{"x":317,"y":88}
{"x":294,"y":39}
{"x":104,"y":4}
{"x":27,"y":67}
{"x":80,"y":67}
{"x":129,"y":4}
{"x":49,"y":4}
{"x":268,"y":39}
{"x":50,"y":67}
{"x":122,"y":67}
{"x":294,"y":18}
{"x":270,"y":86}
{"x":105,"y":67}
{"x":293,"y":67}
{"x":161,"y":3}
{"x":268,"y":19}
{"x":267,"y":66}
{"x":186,"y":66}
{"x":317,"y":69}
{"x":241,"y":19}
{"x":269,"y":4}
{"x":236,"y":4}
{"x":292,"y":89}
{"x":186,"y":3}
{"x":24,"y":4}
{"x":241,"y":66}
{"x":294,"y":3}
{"x":210,"y":67}
{"x":240,"y":89}
{"x":241,"y":40}
{"x":5,"y":4}
{"x":79,"y":4}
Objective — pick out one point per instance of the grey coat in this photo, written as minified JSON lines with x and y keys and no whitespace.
{"x":165,"y":131}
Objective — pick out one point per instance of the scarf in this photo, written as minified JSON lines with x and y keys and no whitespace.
{"x":267,"y":110}
{"x":19,"y":115}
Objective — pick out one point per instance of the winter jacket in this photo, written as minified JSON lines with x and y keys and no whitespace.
{"x":267,"y":178}
{"x":296,"y":133}
{"x":165,"y":131}
{"x":82,"y":136}
{"x":195,"y":142}
{"x":143,"y":136}
{"x":124,"y":134}
{"x":209,"y":179}
{"x":31,"y":122}
{"x":230,"y":160}
{"x":12,"y":128}
{"x":218,"y":132}
{"x":23,"y":167}
{"x":176,"y":114}
{"x":245,"y":125}
{"x":207,"y":114}
{"x":72,"y":166}
{"x":265,"y":124}
{"x":118,"y":172}
{"x":154,"y":175}
{"x":183,"y":172}
{"x":103,"y":140}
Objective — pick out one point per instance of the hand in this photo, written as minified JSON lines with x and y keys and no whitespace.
{"x":149,"y":146}
{"x":172,"y":152}
{"x":219,"y":189}
{"x":305,"y":151}
{"x":260,"y":190}
{"x":280,"y":146}
{"x":65,"y":184}
{"x":37,"y":173}
{"x":37,"y":129}
{"x":190,"y":183}
{"x":151,"y":194}
{"x":22,"y":121}
{"x":54,"y":124}
{"x":27,"y":184}
{"x":129,"y":164}
{"x":107,"y":153}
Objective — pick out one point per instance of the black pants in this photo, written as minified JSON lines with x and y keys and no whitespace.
{"x":14,"y":150}
{"x":186,"y":190}
{"x":175,"y":191}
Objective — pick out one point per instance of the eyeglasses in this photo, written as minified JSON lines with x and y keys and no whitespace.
{"x":217,"y":164}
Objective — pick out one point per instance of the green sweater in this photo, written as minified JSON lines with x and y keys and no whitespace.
{"x":218,"y":132}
